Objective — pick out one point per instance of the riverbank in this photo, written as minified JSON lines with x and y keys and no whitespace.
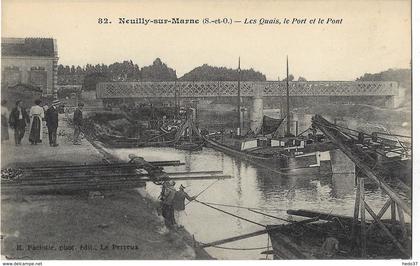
{"x":115,"y":225}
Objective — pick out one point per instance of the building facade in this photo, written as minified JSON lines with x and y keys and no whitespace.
{"x":30,"y":61}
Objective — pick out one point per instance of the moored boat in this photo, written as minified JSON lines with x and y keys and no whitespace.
{"x":331,"y":240}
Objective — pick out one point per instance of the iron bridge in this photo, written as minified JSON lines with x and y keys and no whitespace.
{"x":106,"y":90}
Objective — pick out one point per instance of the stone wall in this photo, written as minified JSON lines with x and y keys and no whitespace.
{"x":22,"y":71}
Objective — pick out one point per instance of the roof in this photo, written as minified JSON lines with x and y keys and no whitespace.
{"x":28,"y":47}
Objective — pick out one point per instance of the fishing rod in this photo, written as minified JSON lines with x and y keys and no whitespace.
{"x":203,"y":191}
{"x":242,"y":207}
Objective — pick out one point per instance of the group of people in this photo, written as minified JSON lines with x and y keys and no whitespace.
{"x":18,"y":119}
{"x":172,"y":200}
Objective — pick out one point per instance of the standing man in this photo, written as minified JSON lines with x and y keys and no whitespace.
{"x":18,"y":120}
{"x":167,"y":197}
{"x":51,"y":116}
{"x":77,"y":122}
{"x":179,"y":204}
{"x":179,"y":199}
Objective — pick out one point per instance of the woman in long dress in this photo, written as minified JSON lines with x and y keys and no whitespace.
{"x":4,"y":121}
{"x":36,"y":114}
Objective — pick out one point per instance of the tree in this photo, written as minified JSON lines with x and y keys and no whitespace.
{"x":158,"y":71}
{"x":60,"y":70}
{"x":212,"y":73}
{"x":291,"y":78}
{"x":90,"y":80}
{"x":72,"y":70}
{"x":301,"y":79}
{"x":403,"y":76}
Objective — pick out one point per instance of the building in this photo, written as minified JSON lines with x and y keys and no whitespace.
{"x":31,"y":61}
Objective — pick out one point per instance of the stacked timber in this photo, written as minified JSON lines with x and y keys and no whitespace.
{"x":93,"y":177}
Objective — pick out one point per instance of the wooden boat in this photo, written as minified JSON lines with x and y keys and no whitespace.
{"x":189,"y":146}
{"x":308,"y":241}
{"x":309,"y":158}
{"x":125,"y":142}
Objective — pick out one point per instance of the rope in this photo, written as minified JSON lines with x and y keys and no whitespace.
{"x":231,"y":214}
{"x":242,"y":207}
{"x":268,"y":215}
{"x":300,"y":134}
{"x":203,"y":191}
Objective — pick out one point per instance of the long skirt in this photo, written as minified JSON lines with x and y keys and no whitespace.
{"x":35,"y":133}
{"x":4,"y":128}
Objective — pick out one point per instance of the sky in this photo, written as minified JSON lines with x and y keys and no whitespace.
{"x":374,"y":35}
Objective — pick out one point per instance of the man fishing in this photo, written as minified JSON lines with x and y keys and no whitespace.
{"x":179,"y":203}
{"x":171,"y":200}
{"x":167,"y":196}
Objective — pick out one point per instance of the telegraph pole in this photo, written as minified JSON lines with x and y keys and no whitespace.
{"x":239,"y":96}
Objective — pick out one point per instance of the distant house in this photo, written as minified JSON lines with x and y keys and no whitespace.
{"x":31,"y":61}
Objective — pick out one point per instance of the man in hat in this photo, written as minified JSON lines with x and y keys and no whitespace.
{"x":18,"y":120}
{"x":167,"y":197}
{"x":77,"y":122}
{"x":179,"y":203}
{"x":51,"y":117}
{"x":179,"y":199}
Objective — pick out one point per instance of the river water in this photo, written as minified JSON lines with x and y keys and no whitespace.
{"x":251,"y":186}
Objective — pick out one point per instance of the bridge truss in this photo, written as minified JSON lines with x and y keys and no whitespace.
{"x":248,"y":89}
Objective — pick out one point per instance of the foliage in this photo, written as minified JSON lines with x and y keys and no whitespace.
{"x":291,"y":78}
{"x":402,"y":76}
{"x":90,"y":80}
{"x":212,"y":73}
{"x":90,"y":75}
{"x":158,"y":71}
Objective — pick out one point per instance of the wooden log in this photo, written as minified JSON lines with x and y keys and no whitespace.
{"x":362,"y":216}
{"x":73,"y":187}
{"x":103,"y":180}
{"x":235,"y":238}
{"x":402,"y":222}
{"x":96,"y":166}
{"x":380,"y":214}
{"x":387,"y":232}
{"x":355,"y":221}
{"x":75,"y":175}
{"x":393,"y":216}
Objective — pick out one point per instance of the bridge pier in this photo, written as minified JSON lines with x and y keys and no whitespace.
{"x":256,"y":114}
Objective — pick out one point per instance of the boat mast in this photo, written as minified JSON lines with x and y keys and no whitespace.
{"x":287,"y":97}
{"x":239,"y":96}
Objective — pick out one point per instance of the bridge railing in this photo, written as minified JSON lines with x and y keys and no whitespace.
{"x":248,"y":89}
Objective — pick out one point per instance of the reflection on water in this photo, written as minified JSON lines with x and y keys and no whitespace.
{"x":250,"y":186}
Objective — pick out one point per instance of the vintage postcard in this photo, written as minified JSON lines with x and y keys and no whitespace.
{"x":206,"y":130}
